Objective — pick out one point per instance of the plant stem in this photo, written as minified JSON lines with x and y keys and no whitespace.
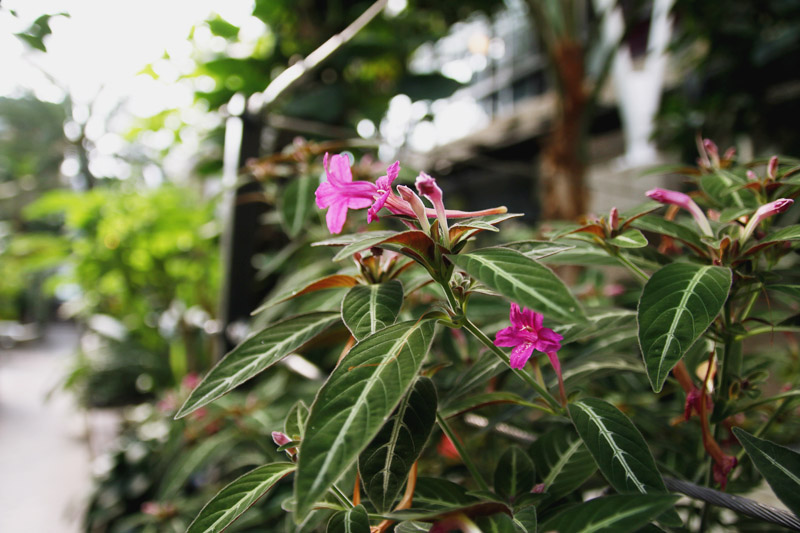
{"x":767,"y":329}
{"x":633,"y":268}
{"x":342,"y":497}
{"x":476,"y":475}
{"x":527,"y":378}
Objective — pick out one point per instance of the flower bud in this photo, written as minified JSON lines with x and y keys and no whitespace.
{"x":682,"y":200}
{"x":772,"y":167}
{"x":765,"y":211}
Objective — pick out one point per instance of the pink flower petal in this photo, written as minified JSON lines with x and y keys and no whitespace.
{"x":520,"y":355}
{"x":336,"y":216}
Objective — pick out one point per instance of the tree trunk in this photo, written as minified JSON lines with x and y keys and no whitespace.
{"x":563,"y":191}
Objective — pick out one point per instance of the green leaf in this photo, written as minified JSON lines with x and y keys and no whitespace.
{"x":721,"y":187}
{"x":255,"y":354}
{"x":496,"y":523}
{"x":632,"y":238}
{"x":621,"y":513}
{"x":438,"y":493}
{"x":779,"y":465}
{"x":522,"y":280}
{"x":367,"y":309}
{"x":295,"y":424}
{"x":657,"y":224}
{"x":355,"y":238}
{"x":514,"y":474}
{"x":427,"y":515}
{"x":678,"y":304}
{"x":562,"y":460}
{"x":237,"y":497}
{"x":789,"y":233}
{"x":296,"y":204}
{"x":538,"y":249}
{"x":477,"y":375}
{"x":223,"y":28}
{"x":475,"y":401}
{"x":525,"y":520}
{"x":352,"y":405}
{"x":619,"y":450}
{"x":353,"y":520}
{"x":190,"y":461}
{"x":335,"y":281}
{"x":385,"y":463}
{"x":412,"y":527}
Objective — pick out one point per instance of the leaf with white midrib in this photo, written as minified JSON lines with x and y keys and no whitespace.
{"x":237,"y":497}
{"x":355,"y":520}
{"x":522,"y":280}
{"x":354,"y":402}
{"x":256,"y":354}
{"x":369,"y":308}
{"x":562,"y":460}
{"x":619,"y":449}
{"x":677,"y":305}
{"x":779,"y":465}
{"x":622,"y":513}
{"x":386,"y":462}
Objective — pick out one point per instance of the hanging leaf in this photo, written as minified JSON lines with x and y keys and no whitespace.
{"x":621,"y":513}
{"x":352,"y":405}
{"x":632,"y":238}
{"x":335,"y":281}
{"x":385,"y":463}
{"x":367,"y":309}
{"x":256,"y":354}
{"x":779,"y":465}
{"x":659,"y":225}
{"x":678,"y":304}
{"x":297,"y":203}
{"x":514,"y":474}
{"x":619,"y":450}
{"x":562,"y":460}
{"x":295,"y":424}
{"x":353,"y":520}
{"x":237,"y":497}
{"x":522,"y":280}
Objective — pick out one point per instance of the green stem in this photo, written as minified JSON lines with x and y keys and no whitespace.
{"x":766,"y":329}
{"x":746,"y":311}
{"x":342,"y":497}
{"x":524,"y":376}
{"x":476,"y":475}
{"x":633,"y":268}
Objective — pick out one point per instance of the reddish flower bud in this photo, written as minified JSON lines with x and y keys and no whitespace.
{"x":772,"y":167}
{"x":684,"y":201}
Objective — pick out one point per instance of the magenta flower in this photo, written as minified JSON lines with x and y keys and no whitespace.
{"x":341,"y":193}
{"x":684,"y":201}
{"x":527,"y":334}
{"x":384,"y":186}
{"x":765,"y":211}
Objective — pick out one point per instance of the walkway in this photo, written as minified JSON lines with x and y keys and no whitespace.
{"x":44,"y":459}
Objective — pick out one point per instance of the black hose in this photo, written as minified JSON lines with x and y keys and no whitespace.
{"x":739,"y":504}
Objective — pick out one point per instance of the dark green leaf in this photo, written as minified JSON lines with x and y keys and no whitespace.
{"x":678,"y":304}
{"x":496,"y":523}
{"x":237,"y":497}
{"x":353,"y":520}
{"x":780,"y":466}
{"x":619,"y":450}
{"x":514,"y":474}
{"x":562,"y":460}
{"x":412,"y":527}
{"x":335,"y":281}
{"x":475,"y":401}
{"x":789,"y":233}
{"x":522,"y":280}
{"x":385,"y":463}
{"x":657,"y":224}
{"x":352,"y":405}
{"x":296,"y":204}
{"x":254,"y":355}
{"x":438,"y":493}
{"x":367,"y":309}
{"x":621,"y":513}
{"x":538,"y":249}
{"x":205,"y":452}
{"x":525,"y":520}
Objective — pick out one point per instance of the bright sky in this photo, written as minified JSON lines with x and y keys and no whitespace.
{"x":103,"y":43}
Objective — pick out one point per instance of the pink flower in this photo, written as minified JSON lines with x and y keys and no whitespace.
{"x":527,"y":334}
{"x":384,"y":186}
{"x":765,"y":211}
{"x":428,"y":188}
{"x":772,"y":167}
{"x":341,"y":193}
{"x":682,"y":200}
{"x":280,"y":438}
